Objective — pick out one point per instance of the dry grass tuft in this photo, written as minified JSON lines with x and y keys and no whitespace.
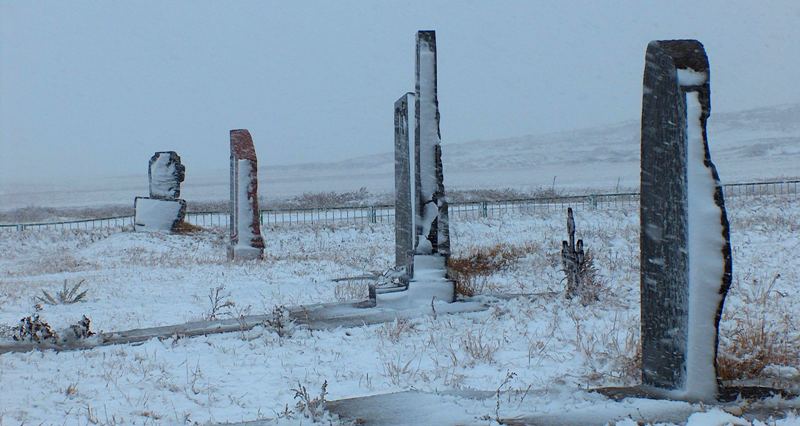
{"x":184,"y":228}
{"x":753,"y":347}
{"x":352,"y":290}
{"x":761,"y":337}
{"x":592,"y":285}
{"x":470,"y":272}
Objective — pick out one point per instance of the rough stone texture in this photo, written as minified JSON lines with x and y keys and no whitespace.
{"x":246,"y":241}
{"x":153,"y":214}
{"x":665,"y":195}
{"x":404,"y":189}
{"x":166,"y":173}
{"x":433,"y":222}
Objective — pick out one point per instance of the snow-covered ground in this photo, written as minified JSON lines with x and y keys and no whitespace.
{"x":549,"y":346}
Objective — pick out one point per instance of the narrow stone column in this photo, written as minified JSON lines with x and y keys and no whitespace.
{"x":404,"y":187}
{"x":685,"y":244}
{"x":433,"y":232}
{"x":245,"y":226}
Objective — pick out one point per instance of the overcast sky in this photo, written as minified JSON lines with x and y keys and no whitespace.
{"x":94,"y":88}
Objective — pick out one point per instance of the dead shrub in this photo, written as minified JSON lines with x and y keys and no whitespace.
{"x":757,"y":341}
{"x":471,"y":272}
{"x":751,"y":350}
{"x":592,"y":284}
{"x":34,"y":329}
{"x":185,"y":228}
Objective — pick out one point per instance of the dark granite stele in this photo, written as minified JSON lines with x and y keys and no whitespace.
{"x":669,"y":174}
{"x":404,"y":212}
{"x":439,"y":233}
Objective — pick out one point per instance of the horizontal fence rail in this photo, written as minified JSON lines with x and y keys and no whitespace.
{"x":385,"y":214}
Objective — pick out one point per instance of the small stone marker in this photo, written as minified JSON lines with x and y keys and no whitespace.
{"x":245,"y":226}
{"x":163,"y":211}
{"x":166,"y":174}
{"x":685,"y":243}
{"x":404,"y":188}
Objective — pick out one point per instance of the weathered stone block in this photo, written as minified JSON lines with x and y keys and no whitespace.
{"x":685,"y":244}
{"x":166,"y":173}
{"x":151,"y":214}
{"x":246,"y":241}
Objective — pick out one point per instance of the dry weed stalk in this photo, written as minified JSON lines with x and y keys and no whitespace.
{"x":220,"y":303}
{"x":311,"y":407}
{"x":393,"y":331}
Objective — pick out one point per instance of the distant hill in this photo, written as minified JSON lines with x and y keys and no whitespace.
{"x":750,"y":145}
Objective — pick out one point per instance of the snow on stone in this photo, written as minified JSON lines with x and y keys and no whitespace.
{"x":244,"y":226}
{"x":162,"y":177}
{"x":690,"y":77}
{"x":706,"y":261}
{"x":156,"y":215}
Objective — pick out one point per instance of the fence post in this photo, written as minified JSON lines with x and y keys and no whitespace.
{"x":484,"y":209}
{"x":373,"y":217}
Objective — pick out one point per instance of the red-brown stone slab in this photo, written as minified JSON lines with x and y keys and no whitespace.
{"x":246,"y":241}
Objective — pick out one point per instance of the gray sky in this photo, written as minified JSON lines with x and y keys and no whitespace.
{"x":94,"y":88}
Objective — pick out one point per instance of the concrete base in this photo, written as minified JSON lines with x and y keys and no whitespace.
{"x":244,"y":253}
{"x":429,"y":285}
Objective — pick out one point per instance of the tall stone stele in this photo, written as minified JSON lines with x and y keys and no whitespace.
{"x":404,"y":187}
{"x":246,"y":242}
{"x":433,"y":231}
{"x":163,"y":210}
{"x":685,"y":244}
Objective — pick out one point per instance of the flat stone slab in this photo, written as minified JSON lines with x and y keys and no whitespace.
{"x":726,"y":393}
{"x":324,"y":316}
{"x":552,"y":408}
{"x":155,"y":215}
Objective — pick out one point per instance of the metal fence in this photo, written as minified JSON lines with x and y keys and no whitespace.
{"x":385,"y":214}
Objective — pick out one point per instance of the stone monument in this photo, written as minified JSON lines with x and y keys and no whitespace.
{"x":685,"y":243}
{"x":404,"y":187}
{"x":163,"y":210}
{"x":433,"y":232}
{"x":246,"y":241}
